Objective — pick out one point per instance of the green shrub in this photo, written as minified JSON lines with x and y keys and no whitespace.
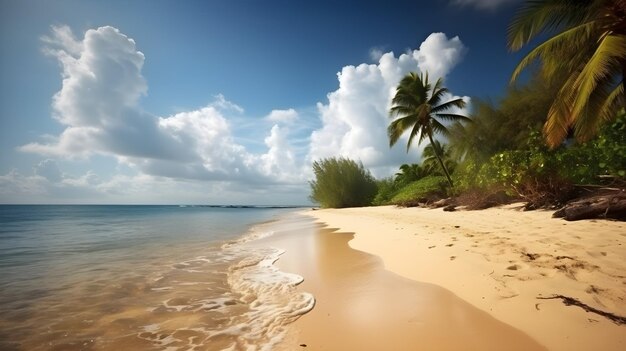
{"x":421,"y":190}
{"x":387,"y":188}
{"x":341,"y":182}
{"x":546,"y":177}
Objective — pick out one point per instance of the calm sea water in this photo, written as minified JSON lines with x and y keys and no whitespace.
{"x":141,"y":277}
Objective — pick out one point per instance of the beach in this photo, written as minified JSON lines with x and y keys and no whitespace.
{"x":408,"y":278}
{"x":375,"y":278}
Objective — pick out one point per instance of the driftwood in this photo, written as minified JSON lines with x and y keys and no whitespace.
{"x":450,"y":208}
{"x":570,"y":301}
{"x":441,"y":203}
{"x":611,"y":205}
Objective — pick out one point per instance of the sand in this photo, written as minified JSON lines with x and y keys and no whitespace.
{"x":362,"y":306}
{"x":499,"y":261}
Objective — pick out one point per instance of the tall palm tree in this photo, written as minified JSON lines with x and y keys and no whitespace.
{"x":588,"y":49}
{"x":419,"y":107}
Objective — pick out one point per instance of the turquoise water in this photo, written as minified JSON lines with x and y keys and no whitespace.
{"x":137,"y":277}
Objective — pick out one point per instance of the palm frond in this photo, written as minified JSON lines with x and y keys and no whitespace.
{"x":453,"y":117}
{"x":438,"y":92}
{"x":423,"y":136}
{"x":604,"y":63}
{"x":458,"y":103}
{"x":439,"y":128}
{"x":613,"y":102}
{"x":587,"y":123}
{"x":403,"y":98}
{"x":536,"y":17}
{"x":560,"y":118}
{"x":401,"y":110}
{"x":417,"y":128}
{"x":398,"y":127}
{"x":570,"y":40}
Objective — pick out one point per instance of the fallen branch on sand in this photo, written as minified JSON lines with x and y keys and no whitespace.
{"x":612,"y":205}
{"x":570,"y":301}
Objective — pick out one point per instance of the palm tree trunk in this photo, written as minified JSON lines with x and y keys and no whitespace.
{"x":437,"y":152}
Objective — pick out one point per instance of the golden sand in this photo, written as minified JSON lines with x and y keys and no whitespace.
{"x":503,"y":262}
{"x":362,"y":306}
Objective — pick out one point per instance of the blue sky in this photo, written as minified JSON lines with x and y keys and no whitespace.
{"x":221,"y":101}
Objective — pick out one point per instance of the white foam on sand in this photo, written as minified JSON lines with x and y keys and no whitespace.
{"x":271,"y":296}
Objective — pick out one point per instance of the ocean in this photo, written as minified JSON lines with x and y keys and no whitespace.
{"x":142,"y":277}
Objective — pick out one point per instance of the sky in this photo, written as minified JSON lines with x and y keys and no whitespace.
{"x":222,"y":101}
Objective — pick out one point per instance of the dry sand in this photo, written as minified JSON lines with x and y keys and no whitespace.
{"x":501,"y":261}
{"x":362,"y":306}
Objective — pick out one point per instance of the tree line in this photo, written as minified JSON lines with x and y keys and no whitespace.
{"x":541,"y":142}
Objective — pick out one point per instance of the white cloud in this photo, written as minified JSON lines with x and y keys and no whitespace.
{"x":47,"y":185}
{"x":223,"y":104}
{"x":48,"y":169}
{"x":376,"y":54}
{"x":282,"y":116}
{"x":437,"y":55}
{"x":484,"y":4}
{"x":15,"y":186}
{"x":280,"y":159}
{"x":99,"y":105}
{"x":89,"y":179}
{"x":355,"y":119}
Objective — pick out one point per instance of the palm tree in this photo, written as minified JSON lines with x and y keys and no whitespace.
{"x":588,"y":50}
{"x":419,"y":107}
{"x":430,"y":161}
{"x":409,"y":173}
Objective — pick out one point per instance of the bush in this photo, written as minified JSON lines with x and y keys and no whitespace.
{"x":546,"y":178}
{"x":387,"y":188}
{"x":423,"y":190}
{"x":341,"y":182}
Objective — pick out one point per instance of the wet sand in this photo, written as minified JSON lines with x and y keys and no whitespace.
{"x":362,"y":306}
{"x":506,"y":262}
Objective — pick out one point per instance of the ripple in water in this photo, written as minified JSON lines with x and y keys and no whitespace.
{"x":229,"y":298}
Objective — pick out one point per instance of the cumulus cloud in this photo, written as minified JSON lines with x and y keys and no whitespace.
{"x":282,"y":116}
{"x":484,"y":4}
{"x":280,"y":159}
{"x":355,"y":119}
{"x":99,"y":105}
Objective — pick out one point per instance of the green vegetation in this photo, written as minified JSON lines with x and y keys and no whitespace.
{"x":423,"y":190}
{"x":430,"y":158}
{"x":420,"y":107}
{"x":546,"y":177}
{"x":502,"y":155}
{"x":340,"y":182}
{"x":409,"y":173}
{"x":588,"y":48}
{"x":559,"y":136}
{"x":387,"y":188}
{"x":505,"y":125}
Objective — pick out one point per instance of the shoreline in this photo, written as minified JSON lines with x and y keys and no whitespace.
{"x":361,"y":305}
{"x":507,"y":263}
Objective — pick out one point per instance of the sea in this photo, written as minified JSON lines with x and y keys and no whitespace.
{"x":91,"y":277}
